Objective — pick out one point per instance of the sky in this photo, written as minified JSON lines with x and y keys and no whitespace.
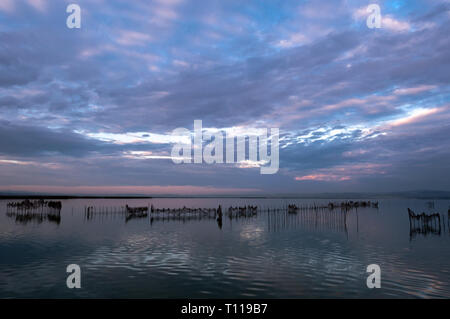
{"x":92,"y":110}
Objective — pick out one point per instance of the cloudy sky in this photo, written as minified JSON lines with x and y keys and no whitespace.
{"x":91,"y":110}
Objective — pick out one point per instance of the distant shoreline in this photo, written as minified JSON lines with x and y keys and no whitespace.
{"x":430,"y":195}
{"x":69,"y":197}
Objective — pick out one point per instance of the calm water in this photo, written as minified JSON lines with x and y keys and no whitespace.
{"x":274,"y":255}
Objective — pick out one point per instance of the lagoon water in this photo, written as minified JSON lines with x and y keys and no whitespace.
{"x":271,"y":255}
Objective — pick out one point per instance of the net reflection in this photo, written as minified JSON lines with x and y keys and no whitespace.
{"x":25,"y":217}
{"x":424,"y":230}
{"x":312,"y":220}
{"x":425,"y":224}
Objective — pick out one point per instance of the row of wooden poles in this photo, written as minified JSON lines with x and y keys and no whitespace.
{"x":231,"y":210}
{"x":35,"y":204}
{"x":32,"y":210}
{"x":279,"y":217}
{"x":320,"y":220}
{"x":247,"y":211}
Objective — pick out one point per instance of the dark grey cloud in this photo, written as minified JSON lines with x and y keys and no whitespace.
{"x":222,"y":63}
{"x":38,"y":141}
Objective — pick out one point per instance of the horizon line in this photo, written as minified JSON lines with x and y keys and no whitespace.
{"x":419,"y":194}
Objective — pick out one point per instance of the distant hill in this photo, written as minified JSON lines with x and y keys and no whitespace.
{"x":417,"y":194}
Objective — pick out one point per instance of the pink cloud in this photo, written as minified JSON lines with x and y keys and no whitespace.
{"x":392,"y":24}
{"x":343,"y":173}
{"x":359,"y":102}
{"x":414,"y":90}
{"x":40,"y":5}
{"x":294,"y":40}
{"x":322,"y":177}
{"x":7,"y":6}
{"x":11,"y":161}
{"x":129,"y":38}
{"x":416,"y":116}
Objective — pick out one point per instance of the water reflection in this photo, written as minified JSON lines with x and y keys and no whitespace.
{"x":32,"y":216}
{"x":273,"y":254}
{"x":313,"y":220}
{"x":180,"y":218}
{"x":35,"y":217}
{"x":129,"y":217}
{"x":424,"y":231}
{"x":37,"y":211}
{"x":425,"y":224}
